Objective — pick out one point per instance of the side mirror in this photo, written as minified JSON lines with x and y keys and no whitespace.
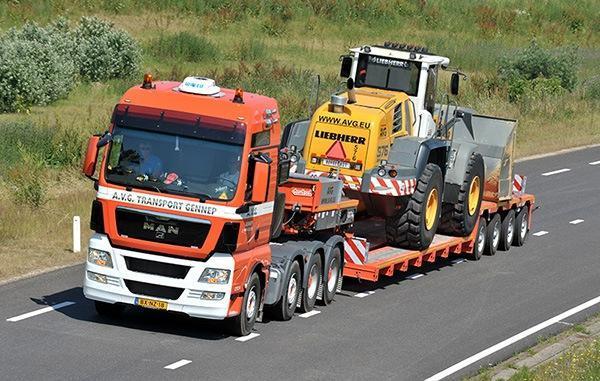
{"x":91,"y":156}
{"x":346,"y":66}
{"x":454,"y":84}
{"x":260,"y":182}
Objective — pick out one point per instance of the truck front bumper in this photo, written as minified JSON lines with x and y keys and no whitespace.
{"x":175,"y":281}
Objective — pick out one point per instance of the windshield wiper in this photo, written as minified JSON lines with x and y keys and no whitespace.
{"x":201,"y":196}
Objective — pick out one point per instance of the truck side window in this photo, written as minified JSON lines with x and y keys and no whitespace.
{"x":430,"y":89}
{"x":397,"y":122}
{"x":261,"y":139}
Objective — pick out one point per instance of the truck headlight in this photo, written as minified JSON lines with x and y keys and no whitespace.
{"x":100,"y":258}
{"x":215,"y":276}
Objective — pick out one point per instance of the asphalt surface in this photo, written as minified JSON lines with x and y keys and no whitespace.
{"x":404,"y":330}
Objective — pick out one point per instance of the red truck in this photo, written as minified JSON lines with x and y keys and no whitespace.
{"x":197,"y":212}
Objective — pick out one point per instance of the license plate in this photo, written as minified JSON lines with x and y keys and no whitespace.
{"x":151,"y":303}
{"x":336,"y":163}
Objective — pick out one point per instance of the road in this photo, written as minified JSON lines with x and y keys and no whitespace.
{"x":408,"y":327}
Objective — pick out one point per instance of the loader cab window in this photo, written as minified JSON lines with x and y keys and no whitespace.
{"x":432,"y":74}
{"x":388,"y":73}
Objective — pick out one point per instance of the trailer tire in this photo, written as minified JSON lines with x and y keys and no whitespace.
{"x":522,"y":227}
{"x":414,"y":227}
{"x":108,"y":309}
{"x":284,"y":309}
{"x":480,"y":239}
{"x":331,"y":275}
{"x":459,"y":219}
{"x":507,"y":231}
{"x":242,"y":324}
{"x":310,"y":293}
{"x":494,"y":228}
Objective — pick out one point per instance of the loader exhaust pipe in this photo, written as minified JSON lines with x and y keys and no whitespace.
{"x":351,"y":91}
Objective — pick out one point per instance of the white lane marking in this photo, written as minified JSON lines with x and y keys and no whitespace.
{"x":364,"y":294}
{"x":415,"y":276}
{"x":40,"y":311}
{"x":513,"y":339}
{"x":540,"y":233}
{"x":177,"y":364}
{"x":556,"y":172}
{"x":248,"y":337}
{"x":575,"y":222}
{"x":458,"y":260}
{"x":594,"y":162}
{"x":309,"y":314}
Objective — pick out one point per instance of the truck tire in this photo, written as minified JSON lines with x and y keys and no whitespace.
{"x":480,"y":239}
{"x":310,"y":293}
{"x":507,"y":233}
{"x":414,"y":227}
{"x":494,"y":228}
{"x":108,"y":309}
{"x":331,"y":275}
{"x":521,"y":227}
{"x":459,"y":219}
{"x":242,"y":324}
{"x":284,"y":309}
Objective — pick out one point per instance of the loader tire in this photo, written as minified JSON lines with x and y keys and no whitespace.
{"x":414,"y":227}
{"x":459,"y":219}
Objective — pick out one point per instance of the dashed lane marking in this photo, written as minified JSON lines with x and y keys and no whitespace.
{"x":415,"y":276}
{"x":40,"y":311}
{"x":248,"y":337}
{"x":178,"y":364}
{"x":364,"y":294}
{"x":513,"y":339}
{"x":575,"y":222}
{"x":594,"y":162}
{"x":556,"y":172}
{"x":540,"y":233}
{"x":309,"y":314}
{"x":458,"y":260}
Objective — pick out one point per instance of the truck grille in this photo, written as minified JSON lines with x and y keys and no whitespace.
{"x":147,"y":289}
{"x":161,"y":228}
{"x":156,"y":268}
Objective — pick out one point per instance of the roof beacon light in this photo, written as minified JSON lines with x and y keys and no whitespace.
{"x":239,"y":95}
{"x":199,"y":85}
{"x":147,"y":84}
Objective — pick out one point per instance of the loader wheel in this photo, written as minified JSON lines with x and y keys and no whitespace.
{"x":414,"y":227}
{"x":459,"y":219}
{"x":508,"y":230}
{"x":493,"y":235}
{"x":310,"y":293}
{"x":521,"y":227}
{"x":480,"y":240}
{"x":284,"y":309}
{"x":242,"y":324}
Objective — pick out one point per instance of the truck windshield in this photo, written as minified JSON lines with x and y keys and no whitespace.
{"x":189,"y":159}
{"x":388,"y":73}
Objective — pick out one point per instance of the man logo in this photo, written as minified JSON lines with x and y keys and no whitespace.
{"x":160,"y":230}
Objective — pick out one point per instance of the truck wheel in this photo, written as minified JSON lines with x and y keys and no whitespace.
{"x":309,"y":295}
{"x":459,"y":219}
{"x":480,"y":238}
{"x":415,"y":226}
{"x":332,"y":275}
{"x":493,"y":235}
{"x":508,"y":230}
{"x":522,"y":227}
{"x":108,"y":309}
{"x":242,"y":324}
{"x":284,"y":309}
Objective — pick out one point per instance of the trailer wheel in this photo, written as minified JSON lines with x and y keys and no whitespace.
{"x":493,"y":235}
{"x":480,"y":239}
{"x":508,"y":230}
{"x":414,"y":227}
{"x":333,"y":270}
{"x":108,"y":309}
{"x":309,"y":294}
{"x":522,"y":227}
{"x":242,"y":324}
{"x":459,"y":219}
{"x":284,"y":309}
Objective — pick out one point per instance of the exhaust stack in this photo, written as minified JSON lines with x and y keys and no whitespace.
{"x":351,"y":91}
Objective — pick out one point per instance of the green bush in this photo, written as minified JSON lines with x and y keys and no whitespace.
{"x":592,"y":88}
{"x":27,"y":179}
{"x":103,"y":52}
{"x":183,"y":46}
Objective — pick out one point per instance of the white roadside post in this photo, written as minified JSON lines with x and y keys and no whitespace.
{"x":76,"y":234}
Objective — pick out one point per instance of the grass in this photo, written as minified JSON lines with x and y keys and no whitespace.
{"x":276,"y":47}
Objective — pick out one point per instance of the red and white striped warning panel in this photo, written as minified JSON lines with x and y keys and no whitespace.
{"x":392,"y":187}
{"x":519,"y":183}
{"x":356,"y":250}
